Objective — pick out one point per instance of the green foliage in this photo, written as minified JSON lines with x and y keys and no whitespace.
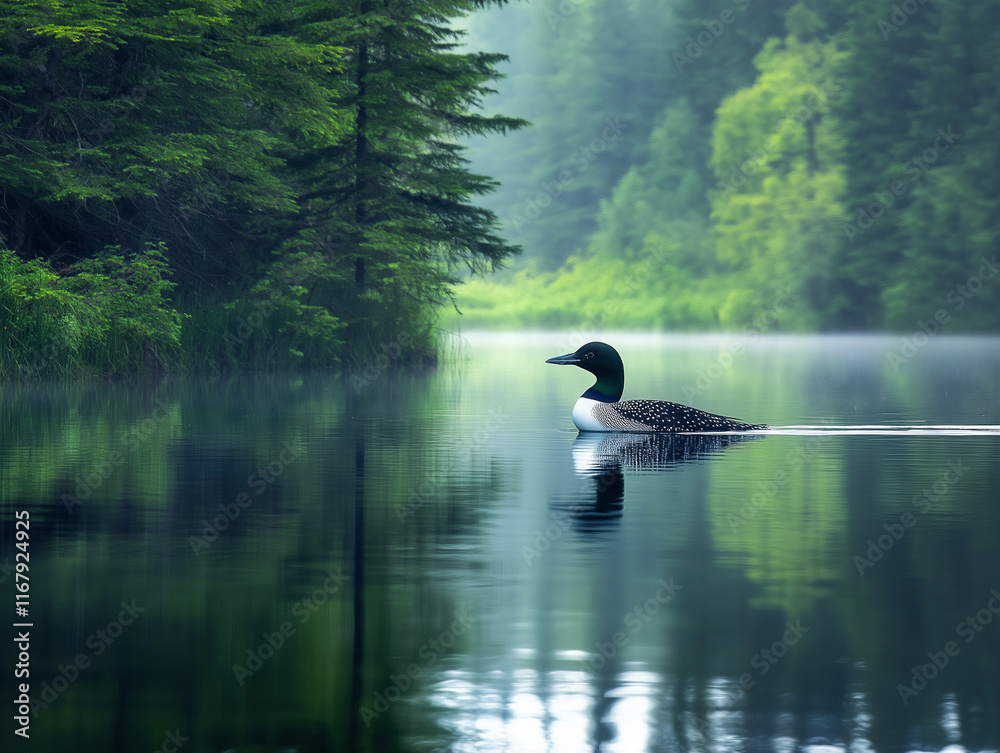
{"x":282,"y":321}
{"x":652,"y":290}
{"x":946,"y":225}
{"x":776,"y":209}
{"x":664,"y":195}
{"x":312,"y":160}
{"x":298,"y":158}
{"x":132,"y":126}
{"x":580,"y":67}
{"x":109,"y":314}
{"x":123,"y":312}
{"x":32,"y":308}
{"x":840,"y":157}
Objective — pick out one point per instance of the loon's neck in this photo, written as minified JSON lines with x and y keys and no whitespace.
{"x":606,"y":390}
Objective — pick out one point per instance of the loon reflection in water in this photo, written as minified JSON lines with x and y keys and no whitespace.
{"x":602,"y":459}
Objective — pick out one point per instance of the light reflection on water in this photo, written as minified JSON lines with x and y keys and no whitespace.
{"x":524,"y":711}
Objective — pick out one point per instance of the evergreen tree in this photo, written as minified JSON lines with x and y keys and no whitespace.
{"x":874,"y":108}
{"x":145,"y":124}
{"x":391,"y":207}
{"x":302,"y":157}
{"x":595,"y":84}
{"x":713,"y":45}
{"x":948,"y":230}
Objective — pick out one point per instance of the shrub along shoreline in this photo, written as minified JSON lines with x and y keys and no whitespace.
{"x":117,"y":314}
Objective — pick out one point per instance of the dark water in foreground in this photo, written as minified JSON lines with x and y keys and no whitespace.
{"x":435,"y":561}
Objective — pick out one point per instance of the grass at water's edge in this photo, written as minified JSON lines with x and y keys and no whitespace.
{"x":118,"y":315}
{"x":615,"y":294}
{"x":213,"y":338}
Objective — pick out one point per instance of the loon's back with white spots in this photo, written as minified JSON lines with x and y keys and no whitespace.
{"x":660,"y":415}
{"x":601,"y":408}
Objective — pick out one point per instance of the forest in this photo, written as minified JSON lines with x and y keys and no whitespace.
{"x":236,"y":184}
{"x":778,"y":165}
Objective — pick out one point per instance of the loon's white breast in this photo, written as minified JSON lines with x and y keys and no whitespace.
{"x":583,"y":415}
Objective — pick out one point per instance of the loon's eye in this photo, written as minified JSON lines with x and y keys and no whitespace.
{"x":589,"y":355}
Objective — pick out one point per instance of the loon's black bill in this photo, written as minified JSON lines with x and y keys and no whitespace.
{"x":567,"y":360}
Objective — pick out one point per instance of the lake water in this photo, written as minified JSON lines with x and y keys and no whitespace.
{"x":434,"y":560}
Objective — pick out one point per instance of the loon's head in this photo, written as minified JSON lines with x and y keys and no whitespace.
{"x":603,"y":361}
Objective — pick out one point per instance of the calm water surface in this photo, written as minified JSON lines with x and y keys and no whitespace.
{"x":436,"y":561}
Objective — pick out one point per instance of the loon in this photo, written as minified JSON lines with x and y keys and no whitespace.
{"x":601,"y":408}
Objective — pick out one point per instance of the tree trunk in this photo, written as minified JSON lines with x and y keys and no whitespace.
{"x":361,"y":152}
